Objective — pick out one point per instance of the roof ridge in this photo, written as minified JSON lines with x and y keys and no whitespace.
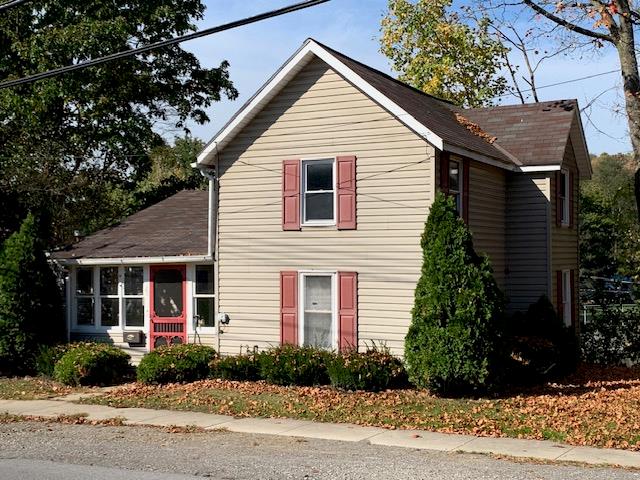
{"x":386,"y":75}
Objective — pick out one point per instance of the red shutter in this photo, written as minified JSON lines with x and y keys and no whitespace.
{"x":559,"y":294}
{"x":570,"y":198}
{"x":291,"y":195}
{"x":444,"y":172}
{"x":558,"y":202}
{"x":346,"y":173}
{"x":465,"y":190}
{"x":573,"y":298}
{"x":289,"y":308}
{"x":347,"y":310}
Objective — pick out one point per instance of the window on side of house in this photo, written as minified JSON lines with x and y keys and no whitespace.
{"x":567,"y":296}
{"x":317,"y":295}
{"x":318,"y":192}
{"x":564,"y":197}
{"x":204,"y":296}
{"x":455,"y":183}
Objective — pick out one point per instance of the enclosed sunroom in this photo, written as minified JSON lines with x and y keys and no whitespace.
{"x":146,"y":282}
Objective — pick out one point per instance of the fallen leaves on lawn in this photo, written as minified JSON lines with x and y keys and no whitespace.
{"x":595,"y":406}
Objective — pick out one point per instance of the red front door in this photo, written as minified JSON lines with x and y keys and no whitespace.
{"x":168,"y":305}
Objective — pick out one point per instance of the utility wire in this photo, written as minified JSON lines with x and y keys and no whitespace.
{"x":559,"y":83}
{"x":14,"y":3}
{"x":164,"y":43}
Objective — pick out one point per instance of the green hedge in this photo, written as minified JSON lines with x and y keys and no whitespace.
{"x":48,"y":356}
{"x":291,"y":365}
{"x":238,"y":367}
{"x":92,"y":364}
{"x":176,"y":363}
{"x":372,"y":370}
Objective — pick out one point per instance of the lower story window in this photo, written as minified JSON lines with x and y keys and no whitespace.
{"x":567,"y":296}
{"x":318,"y":312}
{"x":109,"y":296}
{"x":204,"y":296}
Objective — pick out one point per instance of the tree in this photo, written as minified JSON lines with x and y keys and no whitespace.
{"x":436,"y":52}
{"x":601,"y":23}
{"x":170,"y":172}
{"x":68,"y":141}
{"x":453,"y":343}
{"x":30,"y":300}
{"x":610,"y":234}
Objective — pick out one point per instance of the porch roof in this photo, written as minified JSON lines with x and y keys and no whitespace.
{"x":176,"y":226}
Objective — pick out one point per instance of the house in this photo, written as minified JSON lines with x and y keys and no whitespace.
{"x":310,"y":232}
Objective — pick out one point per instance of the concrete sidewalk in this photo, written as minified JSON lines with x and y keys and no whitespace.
{"x":416,"y":439}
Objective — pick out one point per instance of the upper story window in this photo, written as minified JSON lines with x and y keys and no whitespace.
{"x":318,"y":192}
{"x":563,"y":197}
{"x":455,"y":183}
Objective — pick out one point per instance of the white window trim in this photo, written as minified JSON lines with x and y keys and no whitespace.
{"x":125,"y":296}
{"x":565,"y":221}
{"x":334,"y":303}
{"x":567,"y":296}
{"x":303,"y":192}
{"x":97,"y":326}
{"x":192,"y":279}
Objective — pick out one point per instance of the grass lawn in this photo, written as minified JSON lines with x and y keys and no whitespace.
{"x":594,"y":406}
{"x":31,"y":388}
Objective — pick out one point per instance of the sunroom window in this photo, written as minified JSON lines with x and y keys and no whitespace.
{"x":203,"y":296}
{"x":318,"y":191}
{"x":109,"y":297}
{"x":455,"y":183}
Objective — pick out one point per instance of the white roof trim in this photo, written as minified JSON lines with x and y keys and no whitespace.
{"x":135,"y":260}
{"x":477,"y":156}
{"x":288,"y":70}
{"x":539,"y":168}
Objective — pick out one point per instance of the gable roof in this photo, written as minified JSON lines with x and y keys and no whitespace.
{"x":437,"y":121}
{"x":175,"y":226}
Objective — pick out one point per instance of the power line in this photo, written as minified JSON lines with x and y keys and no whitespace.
{"x":14,"y":3}
{"x":164,"y":43}
{"x":558,"y":83}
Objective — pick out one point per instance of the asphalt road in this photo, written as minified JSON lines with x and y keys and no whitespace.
{"x":31,"y":450}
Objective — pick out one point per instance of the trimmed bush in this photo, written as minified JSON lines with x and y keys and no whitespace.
{"x":453,"y":343}
{"x":176,"y":363}
{"x":372,"y":370}
{"x":48,"y":356}
{"x":92,"y":364}
{"x":291,"y":365}
{"x":238,"y":367}
{"x":30,"y":300}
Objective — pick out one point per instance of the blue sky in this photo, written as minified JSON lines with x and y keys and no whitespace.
{"x":352,"y":27}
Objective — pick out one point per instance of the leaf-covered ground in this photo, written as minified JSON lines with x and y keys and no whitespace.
{"x":30,"y":388}
{"x":595,"y":406}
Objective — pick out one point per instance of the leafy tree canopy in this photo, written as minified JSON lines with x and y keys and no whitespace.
{"x":610,"y":234}
{"x":436,"y":52}
{"x":66,"y":142}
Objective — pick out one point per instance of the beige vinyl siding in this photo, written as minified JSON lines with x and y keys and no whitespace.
{"x":528,"y":197}
{"x":487,"y":215}
{"x":564,"y":239}
{"x":320,"y":115}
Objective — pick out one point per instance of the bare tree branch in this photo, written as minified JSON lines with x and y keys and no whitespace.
{"x":568,"y":25}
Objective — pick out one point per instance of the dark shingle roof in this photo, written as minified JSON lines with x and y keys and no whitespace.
{"x":530,"y":134}
{"x":535,"y":133}
{"x":175,"y":226}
